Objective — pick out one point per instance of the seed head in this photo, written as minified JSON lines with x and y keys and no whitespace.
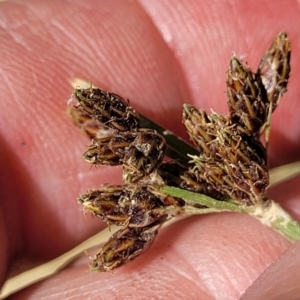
{"x":124,"y":246}
{"x":274,"y":68}
{"x":232,"y":162}
{"x":246,"y":96}
{"x":108,"y":108}
{"x":128,"y":205}
{"x":143,"y":155}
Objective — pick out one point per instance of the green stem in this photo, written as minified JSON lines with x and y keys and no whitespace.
{"x":270,"y":214}
{"x":193,"y":199}
{"x":274,"y":216}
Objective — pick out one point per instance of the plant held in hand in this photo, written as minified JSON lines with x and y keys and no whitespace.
{"x":228,"y":172}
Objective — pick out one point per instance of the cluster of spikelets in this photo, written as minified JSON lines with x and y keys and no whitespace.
{"x":231,"y":165}
{"x":233,"y":159}
{"x":117,"y":139}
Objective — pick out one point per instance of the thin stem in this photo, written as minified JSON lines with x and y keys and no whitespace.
{"x":270,"y":214}
{"x":191,"y":210}
{"x":274,"y":216}
{"x":194,"y":199}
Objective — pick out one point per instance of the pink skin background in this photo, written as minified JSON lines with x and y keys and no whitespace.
{"x":159,"y":54}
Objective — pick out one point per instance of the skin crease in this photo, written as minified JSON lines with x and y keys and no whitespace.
{"x":159,"y":56}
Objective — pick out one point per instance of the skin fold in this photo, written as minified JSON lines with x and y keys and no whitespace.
{"x":158,"y":54}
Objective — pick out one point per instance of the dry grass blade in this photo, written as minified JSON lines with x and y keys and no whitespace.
{"x":284,"y":173}
{"x":48,"y":269}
